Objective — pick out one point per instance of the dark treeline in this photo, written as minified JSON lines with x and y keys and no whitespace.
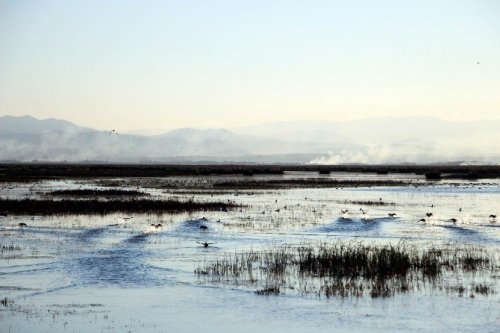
{"x":27,"y":171}
{"x":55,"y":207}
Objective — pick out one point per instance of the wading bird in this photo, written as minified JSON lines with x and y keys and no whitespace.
{"x":454,"y":220}
{"x":365,"y":214}
{"x":392,"y":214}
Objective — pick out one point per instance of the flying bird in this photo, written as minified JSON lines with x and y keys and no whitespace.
{"x":113,"y":132}
{"x":205,"y":244}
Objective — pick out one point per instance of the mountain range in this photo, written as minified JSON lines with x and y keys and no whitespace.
{"x":376,"y":140}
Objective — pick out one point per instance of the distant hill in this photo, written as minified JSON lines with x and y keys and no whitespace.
{"x":28,"y":124}
{"x":393,"y":139}
{"x":29,"y":139}
{"x":376,"y":130}
{"x":377,"y":140}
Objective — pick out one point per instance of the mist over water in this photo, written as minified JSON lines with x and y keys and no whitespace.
{"x":370,"y":141}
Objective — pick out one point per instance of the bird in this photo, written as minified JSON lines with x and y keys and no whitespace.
{"x":493,"y":216}
{"x":421,"y":220}
{"x":126,"y":217}
{"x":365,"y":214}
{"x":22,"y":224}
{"x":203,"y":227}
{"x":156,"y":225}
{"x":392,"y":214}
{"x":454,"y":220}
{"x":113,"y":132}
{"x":345,"y":213}
{"x":428,"y":214}
{"x":205,"y":244}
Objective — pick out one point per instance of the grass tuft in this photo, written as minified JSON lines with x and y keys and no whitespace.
{"x":348,"y":268}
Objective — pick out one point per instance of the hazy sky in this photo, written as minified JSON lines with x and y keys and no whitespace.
{"x":165,"y":64}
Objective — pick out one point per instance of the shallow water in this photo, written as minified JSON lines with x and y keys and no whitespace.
{"x":106,"y":273}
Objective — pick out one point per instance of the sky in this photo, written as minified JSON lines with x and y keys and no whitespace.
{"x":167,"y":64}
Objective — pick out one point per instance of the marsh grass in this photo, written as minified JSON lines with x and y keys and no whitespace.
{"x":10,"y":247}
{"x":97,"y":192}
{"x":93,"y":206}
{"x":301,"y":183}
{"x":368,"y":202}
{"x":348,"y":268}
{"x":5,"y":301}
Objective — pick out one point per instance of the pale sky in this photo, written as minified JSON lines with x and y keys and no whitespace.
{"x":165,"y":64}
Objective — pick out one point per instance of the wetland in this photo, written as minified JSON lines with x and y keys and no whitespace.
{"x":248,"y":249}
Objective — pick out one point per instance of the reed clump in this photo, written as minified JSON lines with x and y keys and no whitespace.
{"x":348,"y":268}
{"x":5,"y":301}
{"x":97,"y":192}
{"x":10,"y":247}
{"x":368,"y":202}
{"x":94,"y":206}
{"x":302,"y":183}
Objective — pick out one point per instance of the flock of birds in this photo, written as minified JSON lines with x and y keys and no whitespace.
{"x":345,"y":214}
{"x":364,"y":215}
{"x":492,"y":218}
